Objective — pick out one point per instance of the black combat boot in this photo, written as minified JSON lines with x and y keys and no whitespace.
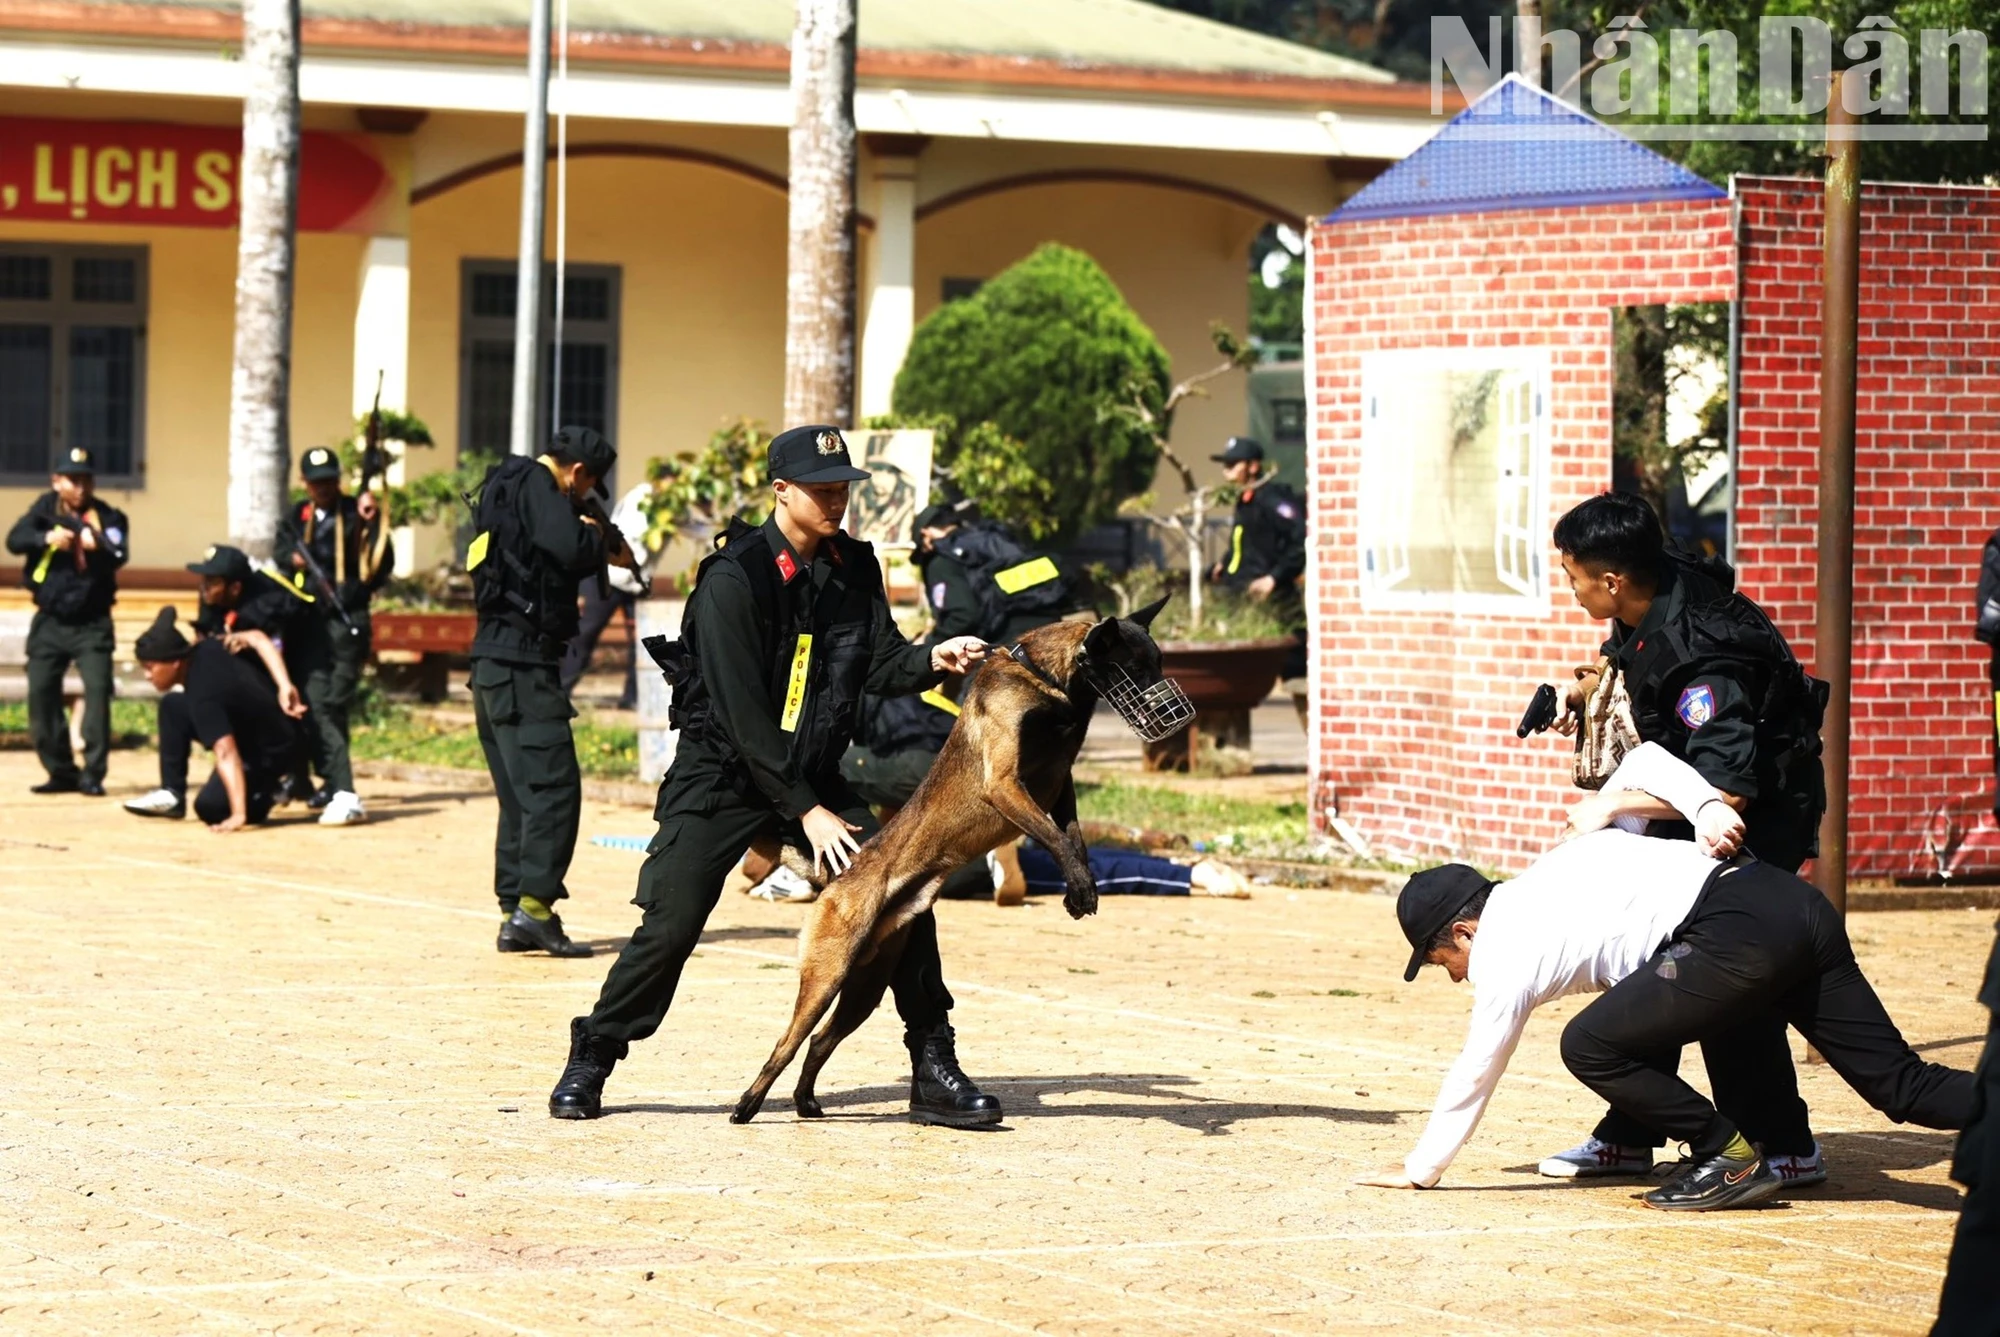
{"x":524,"y":933}
{"x":580,"y":1092}
{"x":940,"y":1092}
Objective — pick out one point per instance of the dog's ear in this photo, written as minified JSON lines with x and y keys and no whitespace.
{"x":1144,"y":617}
{"x":1101,"y":641}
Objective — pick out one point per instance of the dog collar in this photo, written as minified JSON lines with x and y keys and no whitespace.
{"x":1019,"y":655}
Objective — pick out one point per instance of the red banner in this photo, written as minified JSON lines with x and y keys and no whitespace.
{"x":180,"y":176}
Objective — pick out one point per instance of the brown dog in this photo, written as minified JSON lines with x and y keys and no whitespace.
{"x":1005,"y":770}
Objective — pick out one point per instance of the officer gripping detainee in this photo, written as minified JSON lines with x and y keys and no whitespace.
{"x":330,"y":640}
{"x":246,"y":611}
{"x":786,"y":628}
{"x":1267,"y":551}
{"x":1713,"y":681}
{"x":72,"y":545}
{"x":530,"y":550}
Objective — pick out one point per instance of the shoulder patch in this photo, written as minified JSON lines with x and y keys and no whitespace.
{"x":937,"y":594}
{"x":1696,"y":706}
{"x":1286,"y":509}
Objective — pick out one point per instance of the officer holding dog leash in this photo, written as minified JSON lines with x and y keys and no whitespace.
{"x":787,"y":626}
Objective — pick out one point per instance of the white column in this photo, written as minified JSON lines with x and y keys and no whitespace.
{"x":382,"y":346}
{"x":892,"y":270}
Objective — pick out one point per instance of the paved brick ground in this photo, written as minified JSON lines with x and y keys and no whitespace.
{"x":282,"y":1082}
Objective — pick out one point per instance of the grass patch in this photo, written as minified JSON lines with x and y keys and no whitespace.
{"x":1258,"y":828}
{"x":398,"y":733}
{"x":132,"y":723}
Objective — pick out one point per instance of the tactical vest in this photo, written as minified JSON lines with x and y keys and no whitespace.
{"x":921,"y":723}
{"x":1007,"y":579}
{"x":816,"y":662}
{"x":1720,"y":630}
{"x":511,"y":582}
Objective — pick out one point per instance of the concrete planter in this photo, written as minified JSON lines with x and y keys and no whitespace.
{"x":1225,"y":680}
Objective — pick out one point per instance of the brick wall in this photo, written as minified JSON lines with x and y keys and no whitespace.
{"x":1414,"y":713}
{"x":1927,"y":459}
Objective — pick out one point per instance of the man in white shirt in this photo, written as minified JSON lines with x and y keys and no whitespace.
{"x":1682,"y":946}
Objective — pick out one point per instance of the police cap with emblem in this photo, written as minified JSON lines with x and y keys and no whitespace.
{"x":225,"y":561}
{"x":1237,"y":449}
{"x":76,"y":462}
{"x":319,"y":464}
{"x":812,"y":455}
{"x":586,"y":446}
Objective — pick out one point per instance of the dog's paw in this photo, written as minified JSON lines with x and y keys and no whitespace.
{"x":808,"y":1107}
{"x":1080,"y":901}
{"x":746,"y":1108}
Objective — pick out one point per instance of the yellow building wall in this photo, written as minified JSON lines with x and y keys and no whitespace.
{"x":701,"y":254}
{"x":190,"y":331}
{"x":1180,"y":259}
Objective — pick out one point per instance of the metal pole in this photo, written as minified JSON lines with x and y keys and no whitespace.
{"x":521,"y":433}
{"x":1833,"y":629}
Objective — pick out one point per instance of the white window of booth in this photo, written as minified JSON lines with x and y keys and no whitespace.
{"x":1454,"y":480}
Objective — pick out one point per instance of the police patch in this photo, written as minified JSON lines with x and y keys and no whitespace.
{"x":937,"y":595}
{"x":1696,"y":706}
{"x":1286,"y":509}
{"x":787,"y":567}
{"x":829,"y":443}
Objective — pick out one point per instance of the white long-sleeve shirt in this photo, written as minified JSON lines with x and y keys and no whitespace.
{"x":1583,"y":917}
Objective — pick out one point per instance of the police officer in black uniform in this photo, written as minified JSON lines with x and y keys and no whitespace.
{"x":982,"y":581}
{"x":1714,"y":682}
{"x":1267,"y":549}
{"x":349,"y":545}
{"x":1970,"y":1303}
{"x":786,"y":628}
{"x":530,"y":550}
{"x":71,"y":546}
{"x":245,"y":612}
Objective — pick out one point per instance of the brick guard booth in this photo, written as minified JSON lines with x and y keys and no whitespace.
{"x":1460,"y":364}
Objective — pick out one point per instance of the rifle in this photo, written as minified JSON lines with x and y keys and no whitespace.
{"x":590,"y":509}
{"x":326,"y":587}
{"x":374,"y":465}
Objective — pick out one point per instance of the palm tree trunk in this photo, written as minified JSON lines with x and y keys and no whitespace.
{"x":268,"y":185}
{"x":819,"y":289}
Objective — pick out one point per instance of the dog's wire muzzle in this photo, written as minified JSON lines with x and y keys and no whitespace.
{"x":1159,"y":711}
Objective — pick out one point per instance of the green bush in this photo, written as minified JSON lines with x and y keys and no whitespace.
{"x":1049,"y":353}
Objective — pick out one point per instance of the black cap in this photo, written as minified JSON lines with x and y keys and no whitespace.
{"x":1428,"y":903}
{"x":319,"y":463}
{"x":162,"y":641}
{"x":225,"y":561}
{"x":815,"y":454}
{"x":77,"y":462}
{"x":586,"y":446}
{"x":1238,"y":449}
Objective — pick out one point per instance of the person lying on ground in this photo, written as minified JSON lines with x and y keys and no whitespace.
{"x":1683,"y":940}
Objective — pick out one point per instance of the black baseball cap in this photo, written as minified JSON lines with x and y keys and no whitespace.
{"x":1238,"y":449}
{"x":319,"y":463}
{"x":587,"y":446}
{"x":816,"y":454}
{"x":162,"y":641}
{"x":225,"y":561}
{"x":77,"y":462}
{"x":1429,"y":901}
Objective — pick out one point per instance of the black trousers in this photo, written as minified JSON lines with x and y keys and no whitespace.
{"x":1759,"y":939}
{"x":1993,"y":679}
{"x":596,"y":616}
{"x":1970,"y":1305}
{"x":699,"y":841}
{"x":211,"y":805}
{"x":523,"y":718}
{"x":54,"y":645}
{"x":326,"y":661}
{"x":1755,"y":1083}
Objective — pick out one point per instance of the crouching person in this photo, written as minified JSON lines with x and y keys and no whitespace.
{"x":226,"y":707}
{"x":1683,"y":947}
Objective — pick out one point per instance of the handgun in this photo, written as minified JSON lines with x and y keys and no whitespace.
{"x":1541,"y":712}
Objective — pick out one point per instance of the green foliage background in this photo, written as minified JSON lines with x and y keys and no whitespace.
{"x":1047,"y":352}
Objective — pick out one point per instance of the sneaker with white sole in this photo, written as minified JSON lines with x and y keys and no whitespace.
{"x":784,"y":887}
{"x":343,"y":809}
{"x":1592,"y":1159}
{"x":1800,"y":1171}
{"x":160,"y":803}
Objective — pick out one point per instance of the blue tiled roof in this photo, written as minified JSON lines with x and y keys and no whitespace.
{"x":1519,"y":148}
